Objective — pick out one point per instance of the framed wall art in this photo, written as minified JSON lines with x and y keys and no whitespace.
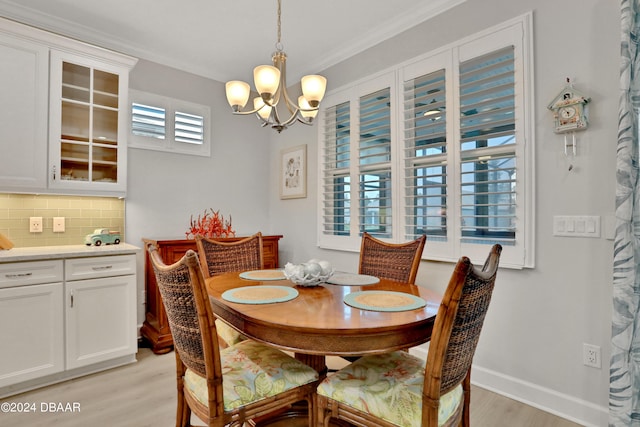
{"x":293,"y":172}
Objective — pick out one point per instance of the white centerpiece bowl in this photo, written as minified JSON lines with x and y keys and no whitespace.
{"x":310,"y":273}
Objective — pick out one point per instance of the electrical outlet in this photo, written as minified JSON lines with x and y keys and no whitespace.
{"x":58,"y":224}
{"x":591,"y":355}
{"x":35,"y":224}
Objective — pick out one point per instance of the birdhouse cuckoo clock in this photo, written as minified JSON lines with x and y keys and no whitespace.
{"x":570,"y":111}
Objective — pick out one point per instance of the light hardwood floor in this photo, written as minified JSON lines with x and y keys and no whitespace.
{"x":143,"y":394}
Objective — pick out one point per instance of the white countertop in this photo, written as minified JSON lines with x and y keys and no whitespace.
{"x":68,"y":251}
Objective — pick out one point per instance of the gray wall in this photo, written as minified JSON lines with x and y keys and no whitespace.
{"x":166,"y":189}
{"x":531,"y":347}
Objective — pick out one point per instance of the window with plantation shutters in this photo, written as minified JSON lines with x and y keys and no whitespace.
{"x":487,"y":149}
{"x":189,"y":128}
{"x":425,"y":156}
{"x":336,"y":182}
{"x":148,"y":121}
{"x":374,"y":159}
{"x":166,"y":124}
{"x":445,"y":151}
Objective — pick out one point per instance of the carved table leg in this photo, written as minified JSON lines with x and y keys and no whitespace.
{"x":317,"y":362}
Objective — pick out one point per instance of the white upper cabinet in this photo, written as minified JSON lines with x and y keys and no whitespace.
{"x":24,"y":75}
{"x":64,"y":120}
{"x":87,"y":125}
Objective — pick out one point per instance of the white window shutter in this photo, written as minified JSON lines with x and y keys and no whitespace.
{"x":148,"y":121}
{"x":425,"y":155}
{"x":487,"y":149}
{"x":374,"y":151}
{"x":336,"y":162}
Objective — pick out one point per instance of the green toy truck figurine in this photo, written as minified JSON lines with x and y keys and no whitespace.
{"x":102,"y":235}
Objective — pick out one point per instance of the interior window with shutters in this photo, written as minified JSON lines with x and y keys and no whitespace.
{"x":425,"y":136}
{"x":356,"y":158}
{"x":148,"y":121}
{"x":487,"y":149}
{"x":336,"y":185}
{"x":166,"y":124}
{"x":446,"y":151}
{"x":374,"y":159}
{"x":189,"y":128}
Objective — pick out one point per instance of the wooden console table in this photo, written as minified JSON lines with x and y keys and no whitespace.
{"x":155,"y":328}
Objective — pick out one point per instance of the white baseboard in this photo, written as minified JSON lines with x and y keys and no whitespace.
{"x":562,"y":405}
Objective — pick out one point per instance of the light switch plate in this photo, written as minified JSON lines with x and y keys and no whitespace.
{"x":58,"y":224}
{"x":576,"y":226}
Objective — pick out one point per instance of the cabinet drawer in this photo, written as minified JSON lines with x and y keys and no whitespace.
{"x":30,"y":273}
{"x":104,"y":266}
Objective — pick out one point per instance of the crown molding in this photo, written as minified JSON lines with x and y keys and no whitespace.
{"x":13,"y":10}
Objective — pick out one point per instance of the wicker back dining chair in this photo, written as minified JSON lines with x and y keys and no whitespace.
{"x":393,"y":261}
{"x":222,"y":387}
{"x":398,"y":389}
{"x":217,"y":257}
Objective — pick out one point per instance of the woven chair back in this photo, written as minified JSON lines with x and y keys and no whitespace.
{"x":179,"y":293}
{"x":459,"y":322}
{"x":217,"y":257}
{"x":393,"y":261}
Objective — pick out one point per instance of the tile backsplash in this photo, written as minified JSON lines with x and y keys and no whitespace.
{"x":82,"y":215}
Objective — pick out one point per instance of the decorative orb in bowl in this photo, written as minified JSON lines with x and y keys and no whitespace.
{"x":310,"y":273}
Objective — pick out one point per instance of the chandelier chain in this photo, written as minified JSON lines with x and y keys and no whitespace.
{"x":279,"y":43}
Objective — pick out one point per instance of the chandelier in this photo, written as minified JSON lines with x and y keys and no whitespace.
{"x":271,"y":84}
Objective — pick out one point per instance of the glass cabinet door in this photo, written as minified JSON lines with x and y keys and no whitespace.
{"x":89,"y":124}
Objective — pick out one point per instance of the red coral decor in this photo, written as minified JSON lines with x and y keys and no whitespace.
{"x":210,"y":224}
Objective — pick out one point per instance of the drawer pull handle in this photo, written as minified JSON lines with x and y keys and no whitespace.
{"x":71,"y":298}
{"x":17,"y":275}
{"x":106,"y":267}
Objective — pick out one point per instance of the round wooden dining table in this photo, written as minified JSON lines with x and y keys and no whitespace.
{"x":317,"y":322}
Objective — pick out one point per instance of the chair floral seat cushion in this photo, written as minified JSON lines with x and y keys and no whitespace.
{"x":228,"y":334}
{"x":388,"y":386}
{"x":251,"y":372}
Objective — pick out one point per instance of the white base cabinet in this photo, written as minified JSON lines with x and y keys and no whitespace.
{"x":31,"y":332}
{"x":100,"y":313}
{"x":64,"y":318}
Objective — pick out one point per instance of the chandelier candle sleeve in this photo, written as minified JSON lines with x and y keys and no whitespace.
{"x":313,"y":88}
{"x":237,"y":94}
{"x":262,"y":109}
{"x":305,"y":108}
{"x":266,"y":79}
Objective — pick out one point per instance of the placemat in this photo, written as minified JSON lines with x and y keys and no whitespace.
{"x":263,"y":275}
{"x":260,"y":294}
{"x":384,"y":301}
{"x":351,"y":279}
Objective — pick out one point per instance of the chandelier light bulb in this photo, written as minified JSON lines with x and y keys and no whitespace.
{"x":313,"y":88}
{"x":266,"y":79}
{"x":237,"y":94}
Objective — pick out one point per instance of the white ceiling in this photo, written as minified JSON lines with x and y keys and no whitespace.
{"x":225,"y":40}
